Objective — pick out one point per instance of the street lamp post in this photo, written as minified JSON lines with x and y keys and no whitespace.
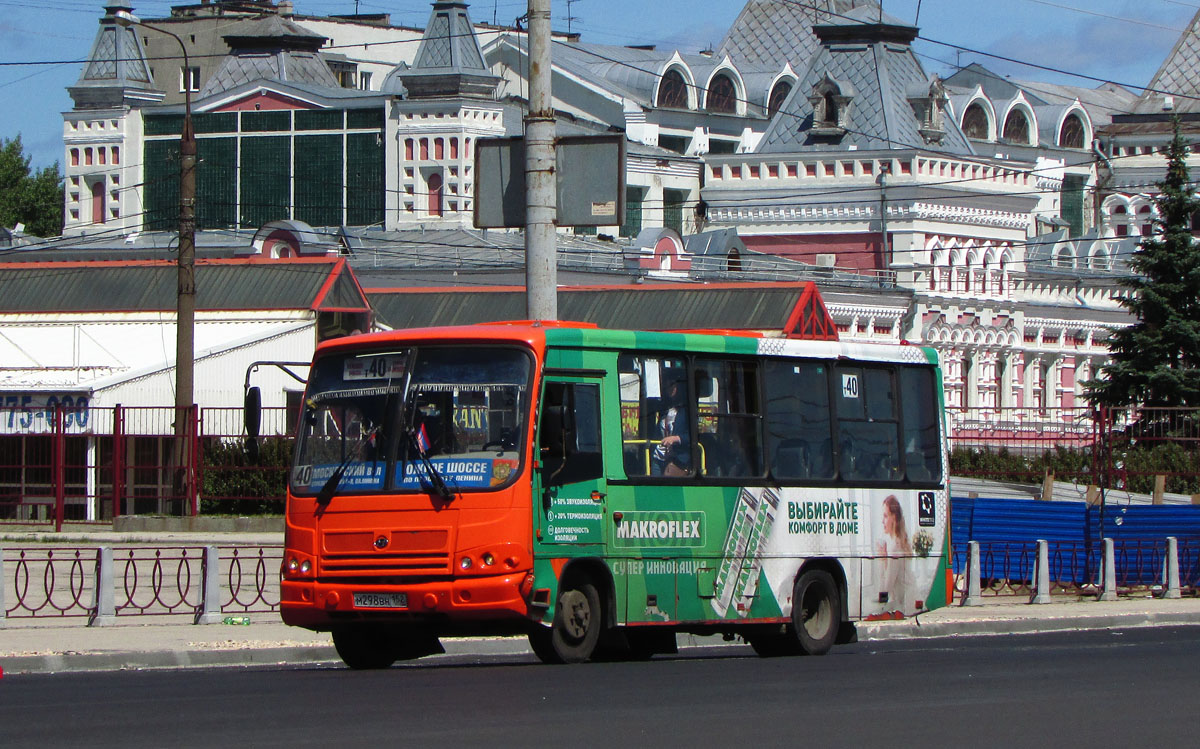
{"x":185,"y":324}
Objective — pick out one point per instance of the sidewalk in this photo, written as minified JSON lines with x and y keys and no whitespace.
{"x":47,"y":646}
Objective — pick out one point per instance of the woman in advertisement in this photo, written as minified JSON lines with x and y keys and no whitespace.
{"x":894,"y":550}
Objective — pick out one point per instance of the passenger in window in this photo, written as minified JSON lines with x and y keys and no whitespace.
{"x":673,"y":455}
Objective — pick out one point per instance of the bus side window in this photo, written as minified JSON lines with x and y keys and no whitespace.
{"x":868,"y":424}
{"x":729,"y":418}
{"x":798,"y":421}
{"x":922,"y":443}
{"x":656,"y":417}
{"x":570,"y":433}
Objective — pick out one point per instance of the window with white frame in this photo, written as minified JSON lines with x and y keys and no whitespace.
{"x":189,"y":79}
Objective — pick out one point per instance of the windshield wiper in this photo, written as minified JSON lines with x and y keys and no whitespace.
{"x":435,"y":478}
{"x":330,"y":488}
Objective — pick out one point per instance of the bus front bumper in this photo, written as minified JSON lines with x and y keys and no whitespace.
{"x":321,"y":605}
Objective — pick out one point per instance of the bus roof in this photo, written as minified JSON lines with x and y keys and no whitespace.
{"x":540,"y":334}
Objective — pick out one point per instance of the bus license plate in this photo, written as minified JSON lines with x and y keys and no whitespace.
{"x":380,"y":600}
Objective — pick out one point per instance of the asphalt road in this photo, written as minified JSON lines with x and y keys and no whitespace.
{"x":1069,"y":689}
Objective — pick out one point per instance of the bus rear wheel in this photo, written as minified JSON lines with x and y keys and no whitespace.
{"x":774,"y":645}
{"x":816,"y":612}
{"x":578,"y":620}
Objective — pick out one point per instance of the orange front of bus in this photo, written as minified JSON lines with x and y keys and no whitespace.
{"x":408,"y":513}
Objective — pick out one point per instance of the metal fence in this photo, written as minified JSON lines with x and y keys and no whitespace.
{"x":91,"y":464}
{"x":99,"y":583}
{"x":1009,"y":568}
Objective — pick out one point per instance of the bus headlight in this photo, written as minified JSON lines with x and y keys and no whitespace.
{"x":465,"y":563}
{"x":488,"y":559}
{"x":305,"y":566}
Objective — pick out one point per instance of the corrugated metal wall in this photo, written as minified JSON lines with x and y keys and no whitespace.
{"x":1008,"y":530}
{"x":265,"y":179}
{"x":319,"y":179}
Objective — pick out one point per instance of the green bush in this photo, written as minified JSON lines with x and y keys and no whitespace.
{"x":235,"y":484}
{"x":1142,"y":463}
{"x":1137,"y":465}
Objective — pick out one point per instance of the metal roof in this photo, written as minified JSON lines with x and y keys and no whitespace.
{"x":775,"y":32}
{"x":134,"y":287}
{"x":643,"y":307}
{"x":881,"y":68}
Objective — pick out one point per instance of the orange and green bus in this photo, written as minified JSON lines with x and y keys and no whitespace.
{"x":602,"y":490}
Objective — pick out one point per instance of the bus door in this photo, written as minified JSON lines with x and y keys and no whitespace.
{"x":571,"y":487}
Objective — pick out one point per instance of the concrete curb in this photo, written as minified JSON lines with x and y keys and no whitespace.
{"x":135,"y":660}
{"x":914,"y":628}
{"x":72,"y":662}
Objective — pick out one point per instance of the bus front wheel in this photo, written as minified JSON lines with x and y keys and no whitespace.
{"x":578,"y":620}
{"x":541,"y":640}
{"x":816,"y":611}
{"x":365,"y":647}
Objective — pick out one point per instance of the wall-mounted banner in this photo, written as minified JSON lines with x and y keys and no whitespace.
{"x":33,"y":413}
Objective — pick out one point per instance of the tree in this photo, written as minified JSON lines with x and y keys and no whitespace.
{"x":31,"y":198}
{"x":1156,"y":361}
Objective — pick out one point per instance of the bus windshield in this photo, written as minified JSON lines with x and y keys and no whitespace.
{"x":386,"y":420}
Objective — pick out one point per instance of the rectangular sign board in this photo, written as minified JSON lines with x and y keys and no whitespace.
{"x":589,"y":176}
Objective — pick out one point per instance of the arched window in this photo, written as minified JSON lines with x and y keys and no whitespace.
{"x":1146,"y":219}
{"x":779,"y":94}
{"x":975,"y":122}
{"x":1071,"y":133}
{"x":722,"y":95}
{"x":1120,"y":219}
{"x":734,"y":263}
{"x":435,"y":194}
{"x":1062,"y":257}
{"x":672,"y":90}
{"x":831,"y":109}
{"x":1016,"y":127}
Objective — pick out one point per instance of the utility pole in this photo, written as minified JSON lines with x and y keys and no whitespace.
{"x":541,"y":269}
{"x":182,"y":471}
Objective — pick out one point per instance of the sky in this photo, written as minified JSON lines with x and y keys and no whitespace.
{"x":43,"y":42}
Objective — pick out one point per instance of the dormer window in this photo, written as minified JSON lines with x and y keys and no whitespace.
{"x":672,"y":91}
{"x":929,"y":105}
{"x":831,"y":110}
{"x":722,"y":95}
{"x":779,"y":95}
{"x":1071,"y":133}
{"x":830,"y":100}
{"x":975,"y":122}
{"x":1016,"y":128}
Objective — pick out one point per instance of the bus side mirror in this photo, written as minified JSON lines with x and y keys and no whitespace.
{"x":252,"y":415}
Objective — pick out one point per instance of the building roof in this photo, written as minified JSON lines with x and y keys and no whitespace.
{"x":1178,"y":76}
{"x":228,"y":285}
{"x":449,"y":61}
{"x":1101,"y":102}
{"x":759,"y":306}
{"x":867,"y":57}
{"x":116,"y":71}
{"x":773,"y":33}
{"x":273,"y":49}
